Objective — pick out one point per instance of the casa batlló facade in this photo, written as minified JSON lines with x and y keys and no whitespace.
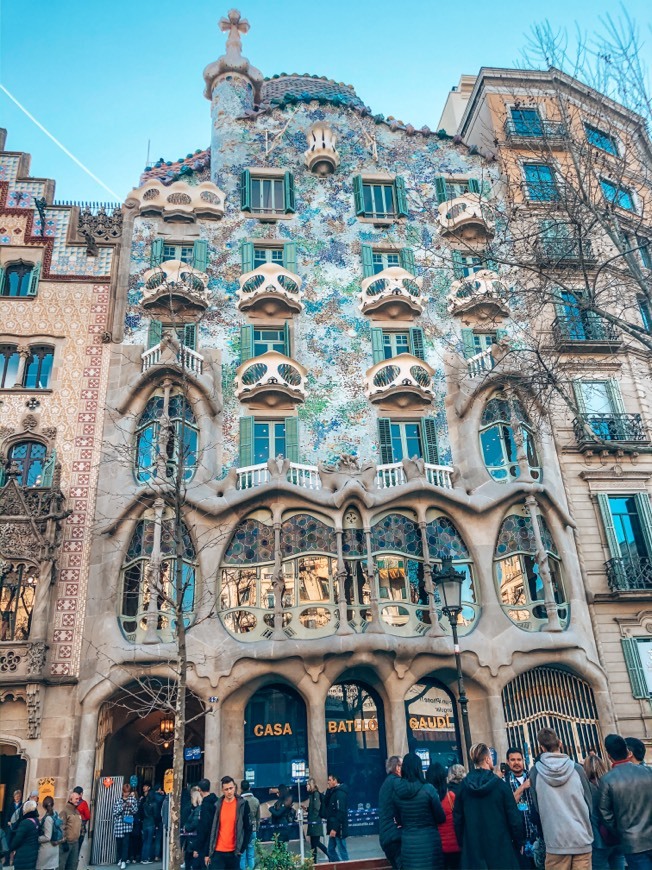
{"x":300,"y":340}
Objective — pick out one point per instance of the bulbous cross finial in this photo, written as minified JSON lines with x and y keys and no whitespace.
{"x":234,"y":24}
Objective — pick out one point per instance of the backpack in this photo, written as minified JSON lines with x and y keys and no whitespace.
{"x":57,"y":828}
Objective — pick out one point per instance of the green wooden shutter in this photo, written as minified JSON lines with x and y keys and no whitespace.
{"x":288,"y":192}
{"x":644,"y":509}
{"x":615,"y":396}
{"x":200,"y":255}
{"x":156,"y":253}
{"x":377,"y":344}
{"x":385,"y":441}
{"x":290,"y":257}
{"x":246,"y":441}
{"x":634,"y":667}
{"x":2,"y":475}
{"x":401,"y":196}
{"x":417,"y":344}
{"x":367,"y":261}
{"x":247,"y":257}
{"x":246,"y":343}
{"x":440,"y":189}
{"x":292,"y":439}
{"x":407,"y":260}
{"x":48,"y":469}
{"x":458,"y":264}
{"x":286,"y":338}
{"x":245,"y":190}
{"x":608,"y":523}
{"x":32,"y":290}
{"x":468,"y":344}
{"x":579,"y":396}
{"x":473,"y":185}
{"x":358,"y":195}
{"x":429,"y":438}
{"x":190,"y":335}
{"x":2,"y":289}
{"x":154,"y":333}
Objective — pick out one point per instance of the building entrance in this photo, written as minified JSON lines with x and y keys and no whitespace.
{"x":12,"y":777}
{"x":431,"y":720}
{"x":356,"y":748}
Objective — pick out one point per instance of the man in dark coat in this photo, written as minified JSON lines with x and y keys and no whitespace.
{"x":335,"y":809}
{"x":24,"y":840}
{"x":389,"y":833}
{"x":209,"y":799}
{"x":488,"y":825}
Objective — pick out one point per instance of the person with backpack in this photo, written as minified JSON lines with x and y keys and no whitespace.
{"x":24,"y":840}
{"x":315,"y":827}
{"x":50,"y":835}
{"x":248,"y":858}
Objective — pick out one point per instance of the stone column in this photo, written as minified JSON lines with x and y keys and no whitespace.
{"x":24,"y":354}
{"x":435,"y":629}
{"x":395,"y":727}
{"x":153,"y":576}
{"x":544,"y":569}
{"x":213,"y":746}
{"x":317,"y":754}
{"x":375,"y":625}
{"x":344,"y":627}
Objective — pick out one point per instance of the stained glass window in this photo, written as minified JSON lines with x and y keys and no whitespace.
{"x":397,"y":534}
{"x":444,"y":540}
{"x":252,"y":543}
{"x":182,"y":438}
{"x":498,"y":440}
{"x":303,"y":533}
{"x":517,"y":536}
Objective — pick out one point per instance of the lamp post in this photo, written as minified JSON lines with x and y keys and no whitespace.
{"x":449,"y":582}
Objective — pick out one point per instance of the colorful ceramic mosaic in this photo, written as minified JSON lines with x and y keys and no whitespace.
{"x":396,"y":534}
{"x":252,"y":542}
{"x":303,"y":533}
{"x":517,"y":536}
{"x":444,"y":540}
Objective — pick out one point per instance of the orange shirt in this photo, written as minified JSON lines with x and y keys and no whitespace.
{"x":226,"y":836}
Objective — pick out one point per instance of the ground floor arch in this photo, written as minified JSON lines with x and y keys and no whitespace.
{"x":432,"y":722}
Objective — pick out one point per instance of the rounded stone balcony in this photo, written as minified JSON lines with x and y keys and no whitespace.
{"x":271,"y":381}
{"x":484,"y":294}
{"x":175,"y":287}
{"x":270,"y":290}
{"x":393,"y":294}
{"x":465,"y":217}
{"x":179,"y":201}
{"x":403,"y":382}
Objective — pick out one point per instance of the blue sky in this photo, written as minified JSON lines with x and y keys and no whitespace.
{"x":105,"y":78}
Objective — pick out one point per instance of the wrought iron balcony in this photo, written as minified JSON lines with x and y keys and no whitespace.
{"x":465,"y":216}
{"x":271,"y":380}
{"x":483,"y":293}
{"x":175,"y":287}
{"x":394,"y":293}
{"x":270,"y":290}
{"x":591,"y":428}
{"x":402,"y":382}
{"x":553,"y":133}
{"x":585,"y":332}
{"x":629,"y":574}
{"x":564,"y":252}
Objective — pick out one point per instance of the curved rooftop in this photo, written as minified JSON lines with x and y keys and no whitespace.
{"x":283,"y":88}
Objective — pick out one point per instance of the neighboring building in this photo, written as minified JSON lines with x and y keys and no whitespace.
{"x":56,"y":264}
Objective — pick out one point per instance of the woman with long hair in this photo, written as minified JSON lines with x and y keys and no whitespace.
{"x":487,"y":822}
{"x":607,"y":854}
{"x":189,"y":833}
{"x":315,"y":828}
{"x":49,"y":838}
{"x":418,"y":810}
{"x":437,"y":776}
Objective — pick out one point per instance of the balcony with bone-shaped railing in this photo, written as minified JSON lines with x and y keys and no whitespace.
{"x":271,"y":380}
{"x":466,"y":217}
{"x":404,"y":381}
{"x":394,"y":294}
{"x":270,"y":290}
{"x":169,"y":351}
{"x":174,"y":287}
{"x":483,"y":293}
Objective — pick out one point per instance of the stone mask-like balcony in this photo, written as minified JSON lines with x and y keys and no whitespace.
{"x":483,"y":294}
{"x":465,"y":217}
{"x":393,"y":294}
{"x":271,"y":381}
{"x":175,"y":287}
{"x":270,"y":290}
{"x":403,"y":382}
{"x":178,"y":201}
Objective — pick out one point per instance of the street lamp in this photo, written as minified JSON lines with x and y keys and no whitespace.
{"x":449,"y":582}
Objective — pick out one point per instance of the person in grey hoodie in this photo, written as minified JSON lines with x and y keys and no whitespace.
{"x":563,"y":799}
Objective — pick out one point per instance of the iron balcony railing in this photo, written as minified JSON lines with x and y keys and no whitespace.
{"x":537,"y":130}
{"x":564,"y":252}
{"x":629,"y":574}
{"x":583,"y":327}
{"x":609,"y":427}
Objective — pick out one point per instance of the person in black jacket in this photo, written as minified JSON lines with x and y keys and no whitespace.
{"x":389,"y":833}
{"x":418,"y":810}
{"x":487,"y":822}
{"x":208,"y":803}
{"x":24,"y":841}
{"x":335,"y":809}
{"x":283,"y":814}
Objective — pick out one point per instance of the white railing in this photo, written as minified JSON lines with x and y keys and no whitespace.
{"x":480,"y":363}
{"x":390,"y":475}
{"x":306,"y":476}
{"x":186,"y":357}
{"x":252,"y":475}
{"x":439,"y":475}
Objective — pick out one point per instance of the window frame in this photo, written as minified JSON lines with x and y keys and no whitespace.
{"x":183,"y":430}
{"x":5,"y":362}
{"x":615,"y":198}
{"x":526,"y":131}
{"x":602,"y":135}
{"x":283,"y":196}
{"x":29,"y":462}
{"x":13,"y":603}
{"x":177,"y":250}
{"x":272,"y":439}
{"x":550,"y":186}
{"x":503,"y":436}
{"x":29,"y":278}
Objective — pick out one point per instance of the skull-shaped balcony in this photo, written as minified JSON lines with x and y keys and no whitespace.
{"x":271,"y":381}
{"x":466,"y":217}
{"x":403,"y":382}
{"x":270,"y":290}
{"x":393,"y":294}
{"x":174,"y":288}
{"x":482,"y":294}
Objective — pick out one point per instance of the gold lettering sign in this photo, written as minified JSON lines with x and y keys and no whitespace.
{"x":272,"y":729}
{"x":45,"y":788}
{"x":168,"y":781}
{"x":336,"y":726}
{"x":430,"y":723}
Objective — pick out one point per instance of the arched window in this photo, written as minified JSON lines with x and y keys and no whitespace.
{"x":9,"y":360}
{"x":167,"y":423}
{"x":518,"y":575}
{"x":138,"y":582}
{"x":499,"y":440}
{"x":19,"y":279}
{"x":38,"y":368}
{"x":33,"y":469}
{"x":17,"y":593}
{"x":444,"y":541}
